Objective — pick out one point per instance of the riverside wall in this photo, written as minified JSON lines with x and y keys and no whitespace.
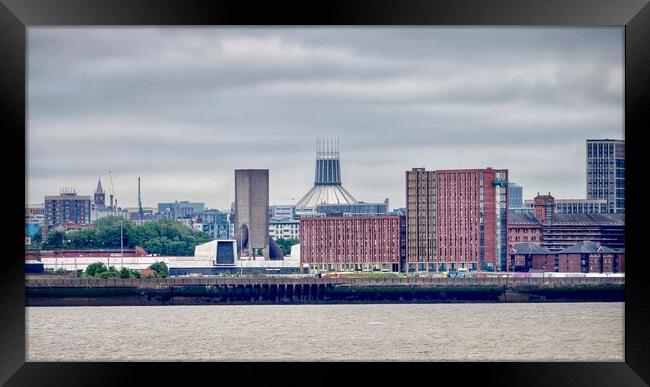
{"x":42,"y":291}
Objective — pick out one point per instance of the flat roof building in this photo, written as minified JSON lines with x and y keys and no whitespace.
{"x":352,"y":244}
{"x":68,"y":207}
{"x":176,"y":210}
{"x":352,"y":209}
{"x":574,"y":206}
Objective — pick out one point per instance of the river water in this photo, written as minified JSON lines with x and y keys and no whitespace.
{"x":402,"y":332}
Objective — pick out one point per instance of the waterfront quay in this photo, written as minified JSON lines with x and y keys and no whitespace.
{"x":42,"y":291}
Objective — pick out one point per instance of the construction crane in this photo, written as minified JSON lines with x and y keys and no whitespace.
{"x":113,"y":196}
{"x":140,"y":211}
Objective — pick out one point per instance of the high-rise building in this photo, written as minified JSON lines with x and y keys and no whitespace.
{"x":515,"y":195}
{"x":68,"y":207}
{"x":516,"y":203}
{"x":420,"y":220}
{"x":456,"y":219}
{"x":327,"y":188}
{"x":606,"y":172}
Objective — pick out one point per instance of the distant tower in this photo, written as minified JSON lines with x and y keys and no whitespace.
{"x":328,"y":188}
{"x":544,"y":207}
{"x":139,"y":200}
{"x":100,"y":197}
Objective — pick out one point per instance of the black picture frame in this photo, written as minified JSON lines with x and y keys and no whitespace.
{"x":17,"y":15}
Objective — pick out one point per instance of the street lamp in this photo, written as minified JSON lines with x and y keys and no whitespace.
{"x":75,"y":260}
{"x":121,"y":244}
{"x":241,"y":249}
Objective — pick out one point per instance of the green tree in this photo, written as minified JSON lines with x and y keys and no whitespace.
{"x":80,"y":239}
{"x":54,"y":240}
{"x":95,"y":269}
{"x":111,"y":272}
{"x":167,"y":237}
{"x":37,"y":239}
{"x":160,"y":268}
{"x":285,"y":244}
{"x":124,"y":273}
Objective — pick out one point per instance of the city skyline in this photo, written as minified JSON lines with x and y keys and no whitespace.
{"x":183,"y":107}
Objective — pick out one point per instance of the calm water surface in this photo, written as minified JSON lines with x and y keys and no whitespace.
{"x":434,"y":332}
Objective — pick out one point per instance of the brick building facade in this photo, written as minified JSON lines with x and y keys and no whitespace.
{"x":355,"y":243}
{"x":557,"y":231}
{"x":523,"y":228}
{"x":582,"y":257}
{"x":456,"y":219}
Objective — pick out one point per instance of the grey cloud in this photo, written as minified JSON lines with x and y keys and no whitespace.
{"x":183,"y":107}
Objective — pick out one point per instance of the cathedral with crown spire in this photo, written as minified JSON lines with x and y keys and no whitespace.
{"x":327,"y":188}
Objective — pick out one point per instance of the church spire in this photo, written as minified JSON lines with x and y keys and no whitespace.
{"x":99,"y":189}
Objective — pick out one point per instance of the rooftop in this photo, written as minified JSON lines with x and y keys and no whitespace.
{"x":587,"y":247}
{"x":612,"y":219}
{"x":523,"y":218}
{"x":529,"y":248}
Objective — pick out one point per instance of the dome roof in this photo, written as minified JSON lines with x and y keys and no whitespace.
{"x":324,"y":194}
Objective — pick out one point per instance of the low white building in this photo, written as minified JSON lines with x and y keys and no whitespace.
{"x":81,"y":263}
{"x":284,"y":228}
{"x":220,"y":256}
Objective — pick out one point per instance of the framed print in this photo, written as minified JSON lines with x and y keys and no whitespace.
{"x":434,"y":188}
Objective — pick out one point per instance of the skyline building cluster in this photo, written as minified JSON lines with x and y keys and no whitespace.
{"x":454,"y":219}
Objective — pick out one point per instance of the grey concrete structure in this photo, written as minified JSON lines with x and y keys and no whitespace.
{"x":252,"y":211}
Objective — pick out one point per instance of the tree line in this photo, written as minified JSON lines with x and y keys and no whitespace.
{"x":165,"y":237}
{"x":99,"y":270}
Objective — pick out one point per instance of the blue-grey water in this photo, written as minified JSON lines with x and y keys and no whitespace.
{"x":400,"y":332}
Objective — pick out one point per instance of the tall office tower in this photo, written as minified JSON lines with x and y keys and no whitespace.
{"x":100,"y":196}
{"x":515,"y":195}
{"x":457,"y":219}
{"x":252,"y":211}
{"x":420,"y":220}
{"x":327,"y":188}
{"x":606,"y":172}
{"x":67,"y":207}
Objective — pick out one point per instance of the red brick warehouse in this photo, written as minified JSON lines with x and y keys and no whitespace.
{"x":352,"y":243}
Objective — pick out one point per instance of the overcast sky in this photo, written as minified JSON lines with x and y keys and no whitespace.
{"x":183,"y":107}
